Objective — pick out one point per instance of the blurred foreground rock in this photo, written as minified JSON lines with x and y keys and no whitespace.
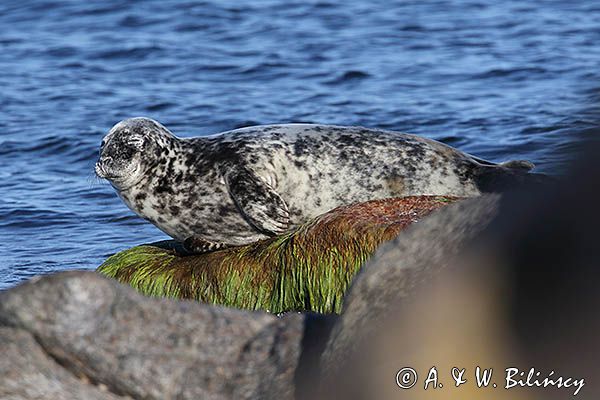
{"x":400,"y":267}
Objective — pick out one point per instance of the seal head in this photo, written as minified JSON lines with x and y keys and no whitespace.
{"x":130,"y":150}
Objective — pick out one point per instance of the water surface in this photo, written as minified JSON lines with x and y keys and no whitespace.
{"x":500,"y":80}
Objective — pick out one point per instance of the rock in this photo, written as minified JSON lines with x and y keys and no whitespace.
{"x":308,"y":269}
{"x":91,"y":329}
{"x":399,"y":269}
{"x":401,"y":265}
{"x":28,"y":372}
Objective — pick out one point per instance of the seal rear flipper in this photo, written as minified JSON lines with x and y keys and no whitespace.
{"x":510,"y":175}
{"x":259,"y":203}
{"x":511,"y":164}
{"x":523,"y":165}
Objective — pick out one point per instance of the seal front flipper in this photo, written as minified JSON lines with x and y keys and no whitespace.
{"x":197,"y":245}
{"x":260,"y":204}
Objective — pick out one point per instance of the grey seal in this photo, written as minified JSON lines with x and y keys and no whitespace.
{"x":252,"y":183}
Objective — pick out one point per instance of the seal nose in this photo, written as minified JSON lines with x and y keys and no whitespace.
{"x":98,"y":170}
{"x":99,"y":167}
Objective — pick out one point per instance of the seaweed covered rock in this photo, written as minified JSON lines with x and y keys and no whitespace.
{"x":308,"y":269}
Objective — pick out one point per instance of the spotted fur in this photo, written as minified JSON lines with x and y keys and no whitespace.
{"x":248,"y":184}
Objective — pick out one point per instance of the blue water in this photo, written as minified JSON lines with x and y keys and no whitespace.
{"x":497,"y":79}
